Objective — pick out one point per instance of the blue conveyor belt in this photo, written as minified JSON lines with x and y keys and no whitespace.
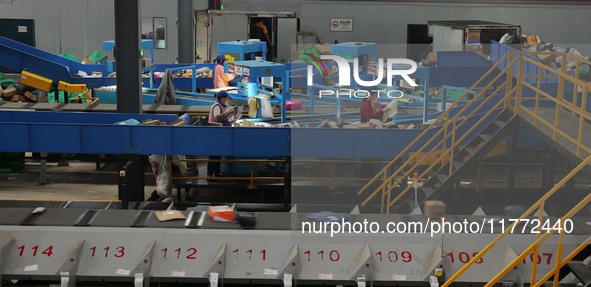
{"x":17,"y":57}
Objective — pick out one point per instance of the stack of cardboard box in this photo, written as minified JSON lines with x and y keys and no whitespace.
{"x":14,"y":95}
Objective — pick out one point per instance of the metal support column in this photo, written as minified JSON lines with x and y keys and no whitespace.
{"x":550,"y":169}
{"x":127,"y":45}
{"x":131,"y":181}
{"x":185,"y":31}
{"x":426,"y":100}
{"x":512,"y":161}
{"x":287,"y":185}
{"x":43,"y":169}
{"x":570,"y":185}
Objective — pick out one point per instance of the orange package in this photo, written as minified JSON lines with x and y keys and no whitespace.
{"x":221,"y":213}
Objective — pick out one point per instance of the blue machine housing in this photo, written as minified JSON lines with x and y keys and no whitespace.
{"x":243,"y":49}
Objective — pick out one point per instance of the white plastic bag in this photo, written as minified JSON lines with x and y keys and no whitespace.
{"x":390,"y":110}
{"x":266,"y":108}
{"x":159,"y":165}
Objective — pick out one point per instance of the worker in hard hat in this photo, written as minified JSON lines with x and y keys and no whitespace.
{"x":221,"y":78}
{"x":220,"y":113}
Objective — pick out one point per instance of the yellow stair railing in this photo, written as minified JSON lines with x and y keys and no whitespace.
{"x":577,"y":107}
{"x":419,"y":158}
{"x":540,"y":237}
{"x":560,"y":263}
{"x":581,"y":114}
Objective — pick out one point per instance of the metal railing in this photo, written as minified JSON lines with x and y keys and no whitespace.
{"x":582,"y":115}
{"x":334,"y":166}
{"x":251,"y":177}
{"x":521,"y":106}
{"x":447,"y":126}
{"x":534,"y":247}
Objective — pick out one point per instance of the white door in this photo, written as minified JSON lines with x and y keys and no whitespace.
{"x":226,"y":27}
{"x":201,"y":37}
{"x":287,"y":36}
{"x":447,"y":39}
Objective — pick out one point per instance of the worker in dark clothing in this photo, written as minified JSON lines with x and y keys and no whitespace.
{"x":259,"y":31}
{"x":368,"y":111}
{"x":222,"y":114}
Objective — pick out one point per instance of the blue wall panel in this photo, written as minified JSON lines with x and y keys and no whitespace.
{"x":335,"y":143}
{"x":145,"y":138}
{"x":261,"y":141}
{"x":190,"y":140}
{"x":76,"y":117}
{"x":55,"y":138}
{"x":14,"y":137}
{"x":108,"y":139}
{"x":202,"y":140}
{"x":381,"y":144}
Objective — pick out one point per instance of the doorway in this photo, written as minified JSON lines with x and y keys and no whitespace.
{"x":258,"y":25}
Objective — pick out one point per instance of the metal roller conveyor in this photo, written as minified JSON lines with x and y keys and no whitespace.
{"x":69,"y":245}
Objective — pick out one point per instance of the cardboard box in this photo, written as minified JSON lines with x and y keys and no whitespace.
{"x":9,"y":93}
{"x":168,"y":215}
{"x":31,"y":96}
{"x":474,"y":35}
{"x":178,"y":122}
{"x":43,"y":99}
{"x":154,"y":123}
{"x":25,"y":99}
{"x":87,"y":61}
{"x":430,"y":59}
{"x":434,"y":209}
{"x":20,"y":98}
{"x":533,"y":39}
{"x":221,"y":213}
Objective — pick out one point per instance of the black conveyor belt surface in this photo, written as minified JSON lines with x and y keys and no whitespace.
{"x":265,"y":220}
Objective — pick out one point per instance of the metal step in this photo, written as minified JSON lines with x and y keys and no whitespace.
{"x":428,"y":191}
{"x":582,"y":256}
{"x":410,"y":203}
{"x":471,"y":150}
{"x":581,"y":271}
{"x":485,"y":137}
{"x":500,"y":123}
{"x":441,"y":177}
{"x":490,"y":129}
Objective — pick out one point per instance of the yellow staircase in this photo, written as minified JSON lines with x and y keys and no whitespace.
{"x":442,"y":138}
{"x":566,"y":123}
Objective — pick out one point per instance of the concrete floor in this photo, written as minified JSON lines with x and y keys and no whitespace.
{"x":78,"y":181}
{"x":81,"y":181}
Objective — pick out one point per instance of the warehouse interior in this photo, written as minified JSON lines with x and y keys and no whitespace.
{"x":280,"y":143}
